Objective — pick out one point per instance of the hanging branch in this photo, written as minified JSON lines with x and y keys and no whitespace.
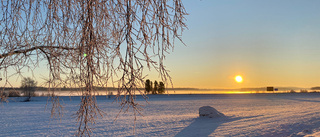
{"x":90,"y":43}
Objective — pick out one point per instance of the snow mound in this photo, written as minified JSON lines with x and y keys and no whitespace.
{"x":311,"y":133}
{"x":207,"y":111}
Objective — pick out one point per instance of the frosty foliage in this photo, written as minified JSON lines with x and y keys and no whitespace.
{"x":88,"y":43}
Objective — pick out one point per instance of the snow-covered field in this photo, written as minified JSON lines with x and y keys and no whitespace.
{"x":175,"y":115}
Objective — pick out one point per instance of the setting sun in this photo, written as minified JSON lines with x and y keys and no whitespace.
{"x":238,"y":79}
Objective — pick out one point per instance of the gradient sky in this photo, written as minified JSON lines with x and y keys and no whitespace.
{"x":269,"y":43}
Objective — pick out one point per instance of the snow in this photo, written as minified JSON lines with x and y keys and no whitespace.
{"x":207,"y":111}
{"x":174,"y":115}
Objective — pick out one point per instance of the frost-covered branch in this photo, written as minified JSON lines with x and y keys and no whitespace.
{"x":24,"y":51}
{"x":91,"y":43}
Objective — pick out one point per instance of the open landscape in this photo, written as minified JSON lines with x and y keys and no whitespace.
{"x":174,"y":115}
{"x":150,"y":68}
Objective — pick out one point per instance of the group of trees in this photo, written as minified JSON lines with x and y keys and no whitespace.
{"x":28,"y":88}
{"x":158,"y":88}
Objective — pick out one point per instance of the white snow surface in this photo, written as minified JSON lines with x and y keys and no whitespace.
{"x":174,"y":115}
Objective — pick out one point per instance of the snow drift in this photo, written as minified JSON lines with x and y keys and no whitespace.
{"x":207,"y":111}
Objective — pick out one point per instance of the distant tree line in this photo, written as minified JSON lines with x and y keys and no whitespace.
{"x":154,"y":88}
{"x":315,"y":88}
{"x":28,"y":88}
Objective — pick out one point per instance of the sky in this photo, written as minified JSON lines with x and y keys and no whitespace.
{"x":268,"y":43}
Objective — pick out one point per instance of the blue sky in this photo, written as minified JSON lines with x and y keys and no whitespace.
{"x":268,"y":42}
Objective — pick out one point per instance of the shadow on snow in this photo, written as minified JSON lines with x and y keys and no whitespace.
{"x":203,"y":126}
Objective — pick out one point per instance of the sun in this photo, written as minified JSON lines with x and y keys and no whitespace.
{"x":238,"y":79}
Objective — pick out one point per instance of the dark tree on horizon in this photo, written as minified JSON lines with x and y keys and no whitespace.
{"x":28,"y":87}
{"x":148,"y":86}
{"x":151,"y":86}
{"x":155,"y":88}
{"x":161,"y":88}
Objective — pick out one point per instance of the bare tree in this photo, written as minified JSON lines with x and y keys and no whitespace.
{"x":87,"y":43}
{"x":28,"y":87}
